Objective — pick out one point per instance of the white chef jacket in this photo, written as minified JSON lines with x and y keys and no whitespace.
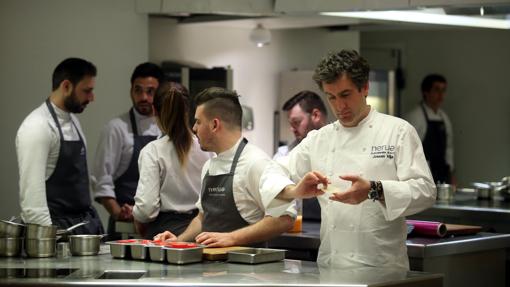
{"x":37,"y":149}
{"x":257,"y":181}
{"x":164,"y":185}
{"x":380,"y":147}
{"x":418,"y":120}
{"x":115,"y":150}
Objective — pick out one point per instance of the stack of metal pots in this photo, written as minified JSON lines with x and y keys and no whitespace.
{"x":11,"y":238}
{"x":40,"y":240}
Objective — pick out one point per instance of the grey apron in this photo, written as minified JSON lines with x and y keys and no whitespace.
{"x":217,"y":198}
{"x":67,"y":189}
{"x":125,"y":185}
{"x":175,"y":222}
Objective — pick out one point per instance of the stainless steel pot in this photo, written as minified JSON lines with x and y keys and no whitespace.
{"x":445,"y":191}
{"x":483,"y":190}
{"x":81,"y":245}
{"x":11,"y":229}
{"x":40,"y":247}
{"x":36,"y":231}
{"x":10,"y":246}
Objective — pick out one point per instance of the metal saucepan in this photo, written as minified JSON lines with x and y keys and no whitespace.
{"x":71,"y":228}
{"x":10,"y":246}
{"x":40,"y":247}
{"x":85,"y":244}
{"x":36,"y":231}
{"x":483,"y":190}
{"x":11,"y":229}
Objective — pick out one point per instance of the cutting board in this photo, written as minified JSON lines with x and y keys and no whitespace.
{"x":219,"y":253}
{"x":456,"y":229}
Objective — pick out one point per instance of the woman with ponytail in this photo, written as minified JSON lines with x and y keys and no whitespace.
{"x":170,"y":168}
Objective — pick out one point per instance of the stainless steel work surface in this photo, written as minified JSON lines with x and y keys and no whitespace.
{"x":283,"y":273}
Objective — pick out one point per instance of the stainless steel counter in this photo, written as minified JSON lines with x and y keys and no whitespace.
{"x":283,"y":273}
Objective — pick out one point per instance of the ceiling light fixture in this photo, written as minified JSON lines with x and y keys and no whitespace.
{"x":260,"y":36}
{"x":427,"y":16}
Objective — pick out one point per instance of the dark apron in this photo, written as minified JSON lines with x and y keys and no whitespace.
{"x":175,"y":222}
{"x":434,"y":147}
{"x":125,"y":185}
{"x":220,"y":211}
{"x":67,"y":189}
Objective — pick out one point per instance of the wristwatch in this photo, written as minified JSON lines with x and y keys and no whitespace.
{"x":376,"y":191}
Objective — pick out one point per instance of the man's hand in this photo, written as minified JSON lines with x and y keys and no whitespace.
{"x":306,"y":187}
{"x":126,"y":213}
{"x":165,"y":236}
{"x":356,"y":194}
{"x":215,"y":239}
{"x":140,"y":228}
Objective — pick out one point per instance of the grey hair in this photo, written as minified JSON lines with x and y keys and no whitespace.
{"x":345,"y":62}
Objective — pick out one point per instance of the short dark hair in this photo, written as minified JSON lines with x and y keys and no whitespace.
{"x":345,"y":62}
{"x":221,"y":103}
{"x":73,"y":70}
{"x":307,"y":100}
{"x":429,"y":81}
{"x":147,"y":69}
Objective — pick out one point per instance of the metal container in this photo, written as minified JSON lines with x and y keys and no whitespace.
{"x":84,"y":244}
{"x":63,"y":250}
{"x":445,"y":191}
{"x":483,"y":190}
{"x":36,"y":231}
{"x":40,"y":247}
{"x":120,"y":250}
{"x":11,"y":229}
{"x":184,"y":255}
{"x":139,"y":251}
{"x":256,"y":255}
{"x":10,"y":246}
{"x":157,"y":253}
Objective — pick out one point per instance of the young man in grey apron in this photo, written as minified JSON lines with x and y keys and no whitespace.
{"x":115,"y":175}
{"x":236,"y":182}
{"x":50,"y":140}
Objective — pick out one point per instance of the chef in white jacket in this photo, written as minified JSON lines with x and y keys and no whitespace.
{"x":375,"y":169}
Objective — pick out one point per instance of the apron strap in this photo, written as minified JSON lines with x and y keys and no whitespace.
{"x":133,"y":122}
{"x":54,"y":115}
{"x":237,"y":155}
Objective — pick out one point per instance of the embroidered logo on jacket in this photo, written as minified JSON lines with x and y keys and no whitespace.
{"x":383,"y":151}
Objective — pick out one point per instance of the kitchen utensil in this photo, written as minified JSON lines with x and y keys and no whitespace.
{"x":63,"y":250}
{"x":157,"y":253}
{"x":71,"y":228}
{"x":84,"y":244}
{"x":139,"y":251}
{"x":457,"y":229}
{"x":120,"y":249}
{"x":10,"y":246}
{"x":184,"y":255}
{"x":445,"y":191}
{"x":36,"y":231}
{"x":483,"y":190}
{"x":256,"y":255}
{"x":11,"y":229}
{"x":219,"y":253}
{"x":40,"y":247}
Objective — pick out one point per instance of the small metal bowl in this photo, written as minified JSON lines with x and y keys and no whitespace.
{"x":84,"y":244}
{"x":40,"y":247}
{"x":10,"y":246}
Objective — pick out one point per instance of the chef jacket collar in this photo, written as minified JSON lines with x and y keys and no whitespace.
{"x":429,"y":110}
{"x":66,"y":116}
{"x":364,"y":121}
{"x":140,"y":117}
{"x":229,"y":153}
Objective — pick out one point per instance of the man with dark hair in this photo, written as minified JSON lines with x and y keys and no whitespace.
{"x":52,"y":158}
{"x":434,"y":128}
{"x":364,"y":155}
{"x":115,"y":174}
{"x":237,"y":183}
{"x":305,"y":112}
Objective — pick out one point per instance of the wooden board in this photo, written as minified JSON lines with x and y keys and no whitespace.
{"x":219,"y":253}
{"x":456,"y":229}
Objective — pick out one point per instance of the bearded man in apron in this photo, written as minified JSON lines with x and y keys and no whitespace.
{"x":51,"y":150}
{"x":236,"y":183}
{"x":115,"y":174}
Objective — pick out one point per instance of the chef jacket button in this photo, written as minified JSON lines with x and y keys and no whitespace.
{"x":332,"y":226}
{"x":364,"y":149}
{"x":351,"y":255}
{"x":370,"y":126}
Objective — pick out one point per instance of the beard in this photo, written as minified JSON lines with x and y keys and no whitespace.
{"x":73,"y":105}
{"x":144,"y":108}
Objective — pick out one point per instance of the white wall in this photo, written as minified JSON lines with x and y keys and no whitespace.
{"x":256,"y":70}
{"x":476,"y":65}
{"x":35,"y":36}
